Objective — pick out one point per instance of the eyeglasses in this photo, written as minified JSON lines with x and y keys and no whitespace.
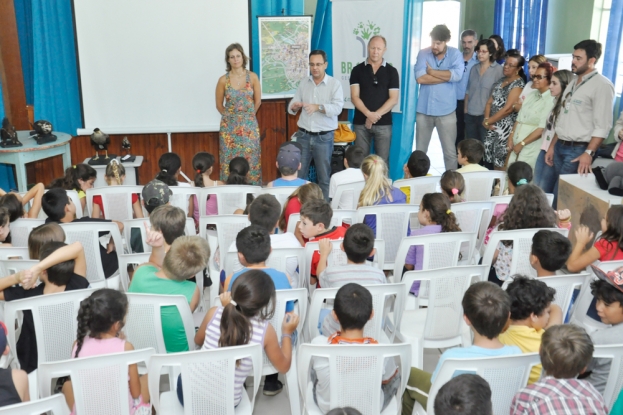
{"x":539,"y":77}
{"x":318,"y":65}
{"x":375,"y":81}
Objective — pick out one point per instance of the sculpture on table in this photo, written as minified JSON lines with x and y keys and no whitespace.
{"x":126,"y":145}
{"x":43,"y":132}
{"x":8,"y":134}
{"x":100,"y":141}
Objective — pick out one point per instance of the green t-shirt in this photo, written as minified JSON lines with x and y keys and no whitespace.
{"x":145,"y":281}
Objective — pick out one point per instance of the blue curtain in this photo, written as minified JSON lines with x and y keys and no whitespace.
{"x":23,"y":16}
{"x":56,"y":93}
{"x":613,"y":41}
{"x":322,"y":35}
{"x":269,"y":8}
{"x":522,"y":24}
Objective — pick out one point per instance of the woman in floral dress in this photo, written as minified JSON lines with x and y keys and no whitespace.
{"x":238,"y":97}
{"x":499,"y":114}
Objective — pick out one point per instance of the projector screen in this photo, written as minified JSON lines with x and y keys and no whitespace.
{"x":152,"y":65}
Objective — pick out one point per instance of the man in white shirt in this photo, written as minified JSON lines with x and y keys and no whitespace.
{"x":352,"y":174}
{"x":321,"y":98}
{"x":585,"y":118}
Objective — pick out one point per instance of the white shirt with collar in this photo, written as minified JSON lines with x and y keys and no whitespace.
{"x":327,"y":93}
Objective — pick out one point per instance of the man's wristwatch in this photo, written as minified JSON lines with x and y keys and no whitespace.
{"x":590,"y":152}
{"x":523,"y":143}
{"x":321,"y":108}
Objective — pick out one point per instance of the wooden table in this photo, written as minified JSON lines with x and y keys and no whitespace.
{"x":31,"y":151}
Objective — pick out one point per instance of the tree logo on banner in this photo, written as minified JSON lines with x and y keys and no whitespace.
{"x":363,"y":32}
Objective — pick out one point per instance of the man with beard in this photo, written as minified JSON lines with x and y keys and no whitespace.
{"x":469,"y":39}
{"x":585,"y":117}
{"x":437,"y":70}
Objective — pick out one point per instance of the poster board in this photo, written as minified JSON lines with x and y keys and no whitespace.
{"x":285,"y":43}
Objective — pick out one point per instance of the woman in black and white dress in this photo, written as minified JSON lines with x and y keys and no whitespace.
{"x":499,"y":114}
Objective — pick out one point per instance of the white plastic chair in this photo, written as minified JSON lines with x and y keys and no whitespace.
{"x":615,"y":377}
{"x":565,"y":285}
{"x":479,"y":184}
{"x":143,"y":326}
{"x":139,"y":224}
{"x":356,"y":375}
{"x":522,"y":246}
{"x":13,"y":266}
{"x":294,"y":219}
{"x":56,"y":404}
{"x":419,"y":186}
{"x":441,"y":250}
{"x":7,"y":252}
{"x":229,"y":198}
{"x":392,"y":222}
{"x":21,"y":228}
{"x":440,"y":325}
{"x":352,"y":189}
{"x":117,"y":201}
{"x":342,"y":215}
{"x":211,"y":371}
{"x":281,"y":193}
{"x":382,"y":295}
{"x":126,"y":260}
{"x":54,"y":317}
{"x":98,"y":382}
{"x":474,"y":217}
{"x":505,"y":374}
{"x":180,"y":196}
{"x":87,"y":233}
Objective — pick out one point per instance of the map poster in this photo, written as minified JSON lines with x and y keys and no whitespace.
{"x":285,"y":43}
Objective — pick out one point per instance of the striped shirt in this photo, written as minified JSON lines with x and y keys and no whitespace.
{"x":551,"y":396}
{"x":213,"y":334}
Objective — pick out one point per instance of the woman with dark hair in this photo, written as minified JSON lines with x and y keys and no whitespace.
{"x":482,"y":76}
{"x":524,"y":142}
{"x":499,"y":114}
{"x":238,"y":97}
{"x":533,"y":65}
{"x":499,"y":48}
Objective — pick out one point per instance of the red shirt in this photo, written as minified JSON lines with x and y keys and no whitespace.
{"x":608,"y":251}
{"x":337,"y":232}
{"x":293,"y":206}
{"x":97,"y":200}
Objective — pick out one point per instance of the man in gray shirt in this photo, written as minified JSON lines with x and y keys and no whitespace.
{"x":585,"y":118}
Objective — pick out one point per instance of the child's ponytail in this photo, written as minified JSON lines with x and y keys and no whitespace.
{"x":439,"y":209}
{"x":252,"y":295}
{"x":452,"y":185}
{"x":115,"y":170}
{"x":70,"y":181}
{"x":202,"y":162}
{"x":169,"y":164}
{"x":377,"y":185}
{"x":98,"y":313}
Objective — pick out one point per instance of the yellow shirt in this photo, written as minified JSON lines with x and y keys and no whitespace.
{"x":407,"y":191}
{"x":528,"y":340}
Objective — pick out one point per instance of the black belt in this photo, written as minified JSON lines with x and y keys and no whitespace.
{"x":573,"y":143}
{"x":315,"y":133}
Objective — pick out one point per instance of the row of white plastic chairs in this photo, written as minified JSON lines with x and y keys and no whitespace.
{"x":436,"y":329}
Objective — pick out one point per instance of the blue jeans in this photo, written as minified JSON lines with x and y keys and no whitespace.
{"x":544,"y":175}
{"x":474,"y":127}
{"x":381,"y":135}
{"x":563,"y":164}
{"x":320,"y":148}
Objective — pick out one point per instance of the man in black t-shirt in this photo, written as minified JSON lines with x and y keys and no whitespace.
{"x":62,"y":268}
{"x":61,"y":209}
{"x":374,"y":87}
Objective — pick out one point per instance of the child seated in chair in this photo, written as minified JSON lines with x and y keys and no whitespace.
{"x":352,"y":173}
{"x":187,"y":256}
{"x":550,"y":251}
{"x":61,"y":268}
{"x":61,"y":209}
{"x":315,"y":225}
{"x":466,"y":394}
{"x":470,"y":152}
{"x":417,"y":166}
{"x":352,"y":309}
{"x":566,"y":350}
{"x":288,"y":163}
{"x":13,"y":382}
{"x":608,"y":290}
{"x":532,"y":313}
{"x":486,"y":310}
